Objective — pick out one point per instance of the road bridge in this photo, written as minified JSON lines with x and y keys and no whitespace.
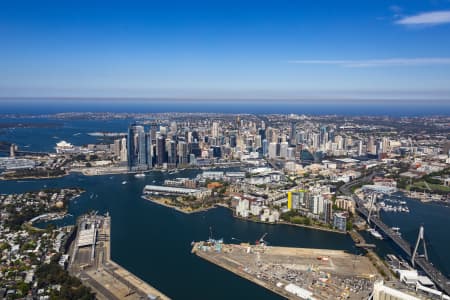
{"x":435,"y":275}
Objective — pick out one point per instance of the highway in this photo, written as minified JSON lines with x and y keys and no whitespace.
{"x":435,"y":275}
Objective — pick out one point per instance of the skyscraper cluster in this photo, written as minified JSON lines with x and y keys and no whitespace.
{"x":198,"y":141}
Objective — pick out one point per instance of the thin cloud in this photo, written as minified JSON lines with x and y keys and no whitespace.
{"x":426,"y":19}
{"x":396,"y":9}
{"x":390,"y":62}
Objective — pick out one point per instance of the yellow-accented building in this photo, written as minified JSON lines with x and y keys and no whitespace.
{"x":297,"y":199}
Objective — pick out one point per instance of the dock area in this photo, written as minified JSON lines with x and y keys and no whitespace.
{"x":91,"y":262}
{"x":295,"y":273}
{"x":379,"y":264}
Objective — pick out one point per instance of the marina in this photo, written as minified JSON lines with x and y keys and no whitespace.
{"x":393,"y":205}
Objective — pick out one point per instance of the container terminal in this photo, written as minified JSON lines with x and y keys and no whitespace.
{"x":294,"y":273}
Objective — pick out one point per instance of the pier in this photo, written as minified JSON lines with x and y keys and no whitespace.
{"x":91,"y":262}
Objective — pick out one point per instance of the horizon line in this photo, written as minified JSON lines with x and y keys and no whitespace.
{"x":234,"y":99}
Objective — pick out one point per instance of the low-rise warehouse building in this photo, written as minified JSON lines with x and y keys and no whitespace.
{"x":158,"y":189}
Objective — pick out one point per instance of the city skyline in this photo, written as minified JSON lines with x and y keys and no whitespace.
{"x":289,"y":50}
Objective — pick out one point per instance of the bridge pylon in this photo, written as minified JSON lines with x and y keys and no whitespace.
{"x":420,"y":237}
{"x":371,"y":206}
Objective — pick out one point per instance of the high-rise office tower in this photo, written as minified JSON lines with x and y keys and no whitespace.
{"x":160,"y":150}
{"x":258,"y":142}
{"x":386,"y":142}
{"x":371,"y":147}
{"x":323,"y":135}
{"x":137,"y":148}
{"x":153,"y":129}
{"x":327,"y":211}
{"x":293,"y":135}
{"x":290,"y":153}
{"x":182,"y":154}
{"x":149,"y":149}
{"x":173,"y":127}
{"x":315,"y":140}
{"x":195,"y":149}
{"x":123,"y":150}
{"x":339,"y":141}
{"x":265,"y":148}
{"x":272,"y":150}
{"x":116,"y":148}
{"x":283,"y":149}
{"x":215,"y":129}
{"x":233,"y":141}
{"x":171,"y":153}
{"x":316,"y":204}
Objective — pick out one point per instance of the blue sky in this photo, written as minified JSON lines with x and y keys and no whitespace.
{"x":289,"y":49}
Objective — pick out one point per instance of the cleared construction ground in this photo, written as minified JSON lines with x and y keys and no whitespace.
{"x":295,"y":273}
{"x":91,"y":262}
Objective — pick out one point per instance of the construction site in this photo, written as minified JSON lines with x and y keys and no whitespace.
{"x":294,"y":273}
{"x":91,"y":262}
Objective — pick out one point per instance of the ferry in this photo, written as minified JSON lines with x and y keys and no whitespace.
{"x":139,"y":175}
{"x":375,"y":233}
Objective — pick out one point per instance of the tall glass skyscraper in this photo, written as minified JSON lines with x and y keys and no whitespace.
{"x":137,"y":148}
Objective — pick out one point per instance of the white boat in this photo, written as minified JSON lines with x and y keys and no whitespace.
{"x":375,"y":233}
{"x":124,"y":182}
{"x":139,"y":175}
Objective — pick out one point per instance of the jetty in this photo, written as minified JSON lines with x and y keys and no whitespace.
{"x":91,"y":262}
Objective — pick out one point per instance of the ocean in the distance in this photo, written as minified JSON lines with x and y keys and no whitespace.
{"x":388,"y":108}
